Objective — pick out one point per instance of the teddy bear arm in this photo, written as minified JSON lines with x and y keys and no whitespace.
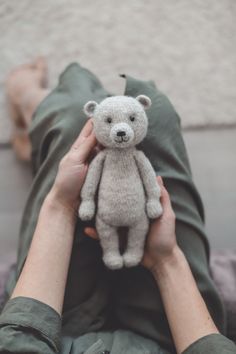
{"x":93,"y":176}
{"x":148,"y":176}
{"x":87,"y":206}
{"x":151,"y":186}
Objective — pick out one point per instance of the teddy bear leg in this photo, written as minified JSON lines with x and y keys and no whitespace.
{"x":136,"y":240}
{"x":109,"y":240}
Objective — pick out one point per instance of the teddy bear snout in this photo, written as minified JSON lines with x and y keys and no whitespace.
{"x":121,"y":133}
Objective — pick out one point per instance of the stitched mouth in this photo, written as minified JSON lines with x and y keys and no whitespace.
{"x":121,"y":139}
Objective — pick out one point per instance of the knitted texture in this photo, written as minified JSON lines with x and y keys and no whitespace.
{"x":128,"y":193}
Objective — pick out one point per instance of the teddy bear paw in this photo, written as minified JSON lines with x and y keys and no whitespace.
{"x":87,"y":210}
{"x":154,"y":209}
{"x":113,"y":261}
{"x":131,"y":259}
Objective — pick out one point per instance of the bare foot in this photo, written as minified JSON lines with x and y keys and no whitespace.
{"x":25,"y":88}
{"x":23,"y":82}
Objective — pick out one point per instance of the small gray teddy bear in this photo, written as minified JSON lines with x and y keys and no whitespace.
{"x":128,"y":192}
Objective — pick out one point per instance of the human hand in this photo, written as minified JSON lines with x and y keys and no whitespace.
{"x":161,"y":239}
{"x":73,"y":168}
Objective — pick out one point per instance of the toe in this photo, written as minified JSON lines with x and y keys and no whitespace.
{"x":40,"y":65}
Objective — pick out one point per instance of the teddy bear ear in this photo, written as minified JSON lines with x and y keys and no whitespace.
{"x":144,"y":100}
{"x":89,"y":108}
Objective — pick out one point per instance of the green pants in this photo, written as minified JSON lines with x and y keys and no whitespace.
{"x":98,"y":300}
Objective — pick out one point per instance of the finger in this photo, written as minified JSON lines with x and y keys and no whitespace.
{"x":100,"y":146}
{"x":160,"y":180}
{"x":165,"y":200}
{"x":96,"y":150}
{"x":85,"y":132}
{"x":93,"y":153}
{"x":91,"y":232}
{"x":86,"y":148}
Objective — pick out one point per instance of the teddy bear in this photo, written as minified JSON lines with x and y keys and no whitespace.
{"x":128,"y":194}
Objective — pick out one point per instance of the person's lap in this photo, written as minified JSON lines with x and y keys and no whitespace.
{"x":95,"y":297}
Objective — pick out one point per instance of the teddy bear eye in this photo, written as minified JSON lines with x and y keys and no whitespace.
{"x":108,"y":120}
{"x":132,"y":118}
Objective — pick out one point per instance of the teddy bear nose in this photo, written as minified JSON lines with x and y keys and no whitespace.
{"x":121,"y":133}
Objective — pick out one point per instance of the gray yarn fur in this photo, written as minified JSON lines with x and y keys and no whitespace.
{"x":128,"y":192}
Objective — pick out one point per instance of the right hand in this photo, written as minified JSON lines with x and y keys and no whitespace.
{"x":73,"y":168}
{"x":161,"y":238}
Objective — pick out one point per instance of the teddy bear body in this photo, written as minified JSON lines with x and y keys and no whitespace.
{"x":128,"y":193}
{"x":123,"y":202}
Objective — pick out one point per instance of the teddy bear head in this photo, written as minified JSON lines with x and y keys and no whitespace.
{"x":119,"y":121}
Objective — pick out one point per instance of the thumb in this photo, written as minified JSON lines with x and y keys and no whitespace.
{"x":165,"y":198}
{"x":86,"y":148}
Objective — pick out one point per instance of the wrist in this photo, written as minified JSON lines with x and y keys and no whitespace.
{"x":55,"y":202}
{"x":168,"y":262}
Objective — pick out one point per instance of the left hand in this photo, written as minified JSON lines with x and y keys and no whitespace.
{"x":73,"y":168}
{"x":161,"y":238}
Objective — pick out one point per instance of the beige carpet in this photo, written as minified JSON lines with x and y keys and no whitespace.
{"x":187,"y":47}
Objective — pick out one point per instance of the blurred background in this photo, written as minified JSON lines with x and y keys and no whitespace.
{"x":187,"y":47}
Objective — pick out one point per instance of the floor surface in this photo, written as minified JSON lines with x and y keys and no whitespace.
{"x":186,"y":47}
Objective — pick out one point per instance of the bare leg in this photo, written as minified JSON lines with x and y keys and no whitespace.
{"x":26,"y":87}
{"x":109,"y":239}
{"x":136,"y":239}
